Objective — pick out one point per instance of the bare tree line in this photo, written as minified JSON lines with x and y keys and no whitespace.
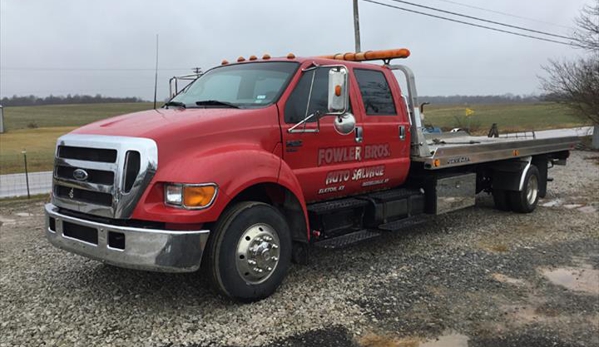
{"x":32,"y":100}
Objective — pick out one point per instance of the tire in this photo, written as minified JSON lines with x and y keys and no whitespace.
{"x":248,"y":232}
{"x":501,"y":199}
{"x":525,"y":201}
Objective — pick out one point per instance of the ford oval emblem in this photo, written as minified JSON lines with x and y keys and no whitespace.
{"x":80,"y":175}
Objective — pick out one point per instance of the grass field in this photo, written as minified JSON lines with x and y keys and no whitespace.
{"x":36,"y":128}
{"x":39,"y":144}
{"x":25,"y":117}
{"x":509,"y":118}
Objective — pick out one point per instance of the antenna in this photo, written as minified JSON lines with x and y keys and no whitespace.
{"x":156,"y":73}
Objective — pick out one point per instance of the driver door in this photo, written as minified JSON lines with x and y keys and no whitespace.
{"x":322,"y":159}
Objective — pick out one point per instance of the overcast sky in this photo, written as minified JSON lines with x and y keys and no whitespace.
{"x":108,"y":47}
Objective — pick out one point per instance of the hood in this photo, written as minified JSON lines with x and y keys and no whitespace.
{"x":156,"y":124}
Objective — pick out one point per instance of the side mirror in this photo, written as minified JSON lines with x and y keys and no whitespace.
{"x":345,"y":123}
{"x":338,"y":91}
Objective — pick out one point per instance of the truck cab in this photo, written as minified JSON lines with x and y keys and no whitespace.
{"x":255,"y":162}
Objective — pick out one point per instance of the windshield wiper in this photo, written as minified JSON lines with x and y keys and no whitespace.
{"x":175,"y":103}
{"x":215,"y":103}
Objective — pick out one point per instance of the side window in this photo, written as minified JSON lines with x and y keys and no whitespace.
{"x":376,"y":94}
{"x":297,"y":107}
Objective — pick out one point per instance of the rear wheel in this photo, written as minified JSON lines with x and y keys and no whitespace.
{"x":501,"y":199}
{"x":249,"y":254}
{"x":525,"y":201}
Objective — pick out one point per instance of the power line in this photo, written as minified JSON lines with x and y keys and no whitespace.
{"x":504,"y":13}
{"x":474,"y":25}
{"x":482,"y":19}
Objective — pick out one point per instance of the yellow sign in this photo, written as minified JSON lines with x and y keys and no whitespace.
{"x":469,"y":112}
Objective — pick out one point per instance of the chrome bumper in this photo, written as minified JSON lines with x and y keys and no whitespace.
{"x":141,"y":249}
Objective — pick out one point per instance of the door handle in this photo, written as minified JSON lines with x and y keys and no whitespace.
{"x":402,"y":132}
{"x":358,"y":132}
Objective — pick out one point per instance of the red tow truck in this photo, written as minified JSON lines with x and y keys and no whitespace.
{"x":257,"y":161}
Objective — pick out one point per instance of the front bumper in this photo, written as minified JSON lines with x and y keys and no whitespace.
{"x":134,"y":248}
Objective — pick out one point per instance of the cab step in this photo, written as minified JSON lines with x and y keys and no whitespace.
{"x":347,"y":239}
{"x":336,"y":206}
{"x":402,"y":224}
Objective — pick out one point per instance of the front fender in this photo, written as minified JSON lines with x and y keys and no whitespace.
{"x":232,"y":169}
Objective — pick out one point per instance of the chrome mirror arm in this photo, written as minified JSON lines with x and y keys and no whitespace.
{"x":303,"y":122}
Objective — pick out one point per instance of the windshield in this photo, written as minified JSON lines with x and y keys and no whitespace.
{"x":240,"y":86}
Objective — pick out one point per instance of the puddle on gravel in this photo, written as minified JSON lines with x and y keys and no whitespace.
{"x":570,"y":206}
{"x":505,"y":279}
{"x":451,"y":340}
{"x":553,"y":203}
{"x":24,"y":214}
{"x":587,"y":209}
{"x":448,"y":340}
{"x":7,"y":221}
{"x":575,"y":279}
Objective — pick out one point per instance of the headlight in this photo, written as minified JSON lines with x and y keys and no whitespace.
{"x":190,"y":196}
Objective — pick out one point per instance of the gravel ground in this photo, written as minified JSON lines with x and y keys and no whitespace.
{"x":470,"y":278}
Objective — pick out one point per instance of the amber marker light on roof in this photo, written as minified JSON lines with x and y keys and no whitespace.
{"x":240,"y":59}
{"x":253,"y":57}
{"x":224,"y":62}
{"x":290,"y":56}
{"x":266,"y":56}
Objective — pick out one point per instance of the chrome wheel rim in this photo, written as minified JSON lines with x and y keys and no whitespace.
{"x":257,"y":254}
{"x":532,"y":189}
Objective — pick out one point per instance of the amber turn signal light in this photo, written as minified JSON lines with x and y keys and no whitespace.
{"x":198,"y":196}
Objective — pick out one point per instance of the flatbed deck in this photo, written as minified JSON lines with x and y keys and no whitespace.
{"x":460,"y":149}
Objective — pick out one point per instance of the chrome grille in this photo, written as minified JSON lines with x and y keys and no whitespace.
{"x":95,"y":176}
{"x":102,"y":175}
{"x":88,"y":196}
{"x":85,"y":153}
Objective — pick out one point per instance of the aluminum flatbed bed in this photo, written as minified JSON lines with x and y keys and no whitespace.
{"x":460,"y":149}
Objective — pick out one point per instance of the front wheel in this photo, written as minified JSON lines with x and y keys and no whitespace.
{"x":249,"y":254}
{"x":525,"y":201}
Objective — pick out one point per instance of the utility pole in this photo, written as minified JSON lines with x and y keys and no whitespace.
{"x":357,"y":26}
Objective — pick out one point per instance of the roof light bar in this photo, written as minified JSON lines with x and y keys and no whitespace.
{"x":387,"y":54}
